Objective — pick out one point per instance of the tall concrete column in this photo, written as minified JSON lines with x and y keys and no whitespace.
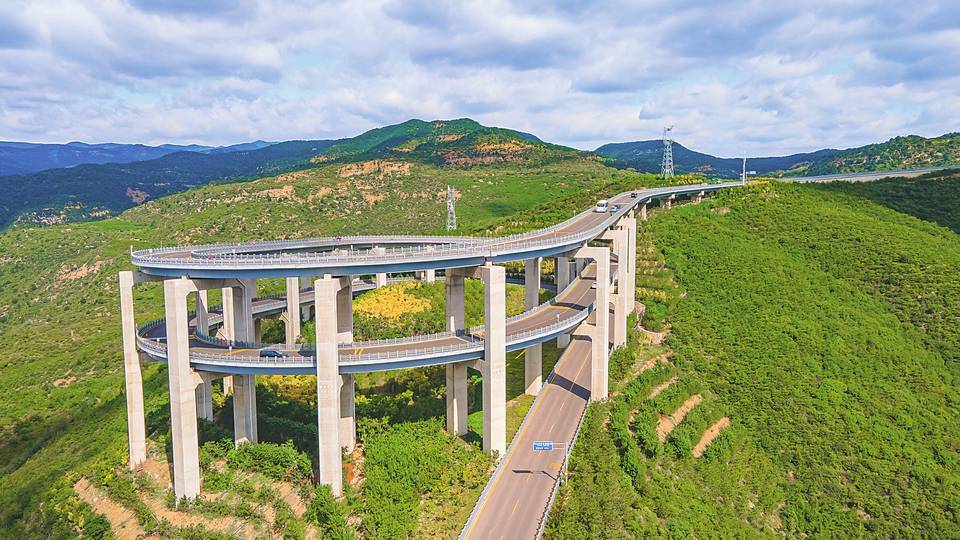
{"x":620,"y":239}
{"x":668,"y":202}
{"x":456,"y":376}
{"x":183,"y":404}
{"x":348,"y":412}
{"x":133,"y":379}
{"x":562,"y":269}
{"x":257,"y":331}
{"x":244,"y":386}
{"x":329,"y":470}
{"x":454,"y":310}
{"x":380,"y":280}
{"x":227,"y":331}
{"x":600,"y":355}
{"x":580,"y":265}
{"x":345,"y":312}
{"x":494,"y":359}
{"x":600,"y":331}
{"x":203,"y":313}
{"x":204,"y":397}
{"x":643,"y":212}
{"x":291,"y":320}
{"x":532,"y":355}
{"x":457,"y":399}
{"x":631,"y":279}
{"x":430,"y":275}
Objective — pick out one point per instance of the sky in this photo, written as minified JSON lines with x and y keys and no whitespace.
{"x":761,"y":77}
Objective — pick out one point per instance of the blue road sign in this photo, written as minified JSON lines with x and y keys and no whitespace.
{"x":543,"y":445}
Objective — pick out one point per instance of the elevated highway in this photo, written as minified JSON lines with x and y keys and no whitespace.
{"x":595,"y":261}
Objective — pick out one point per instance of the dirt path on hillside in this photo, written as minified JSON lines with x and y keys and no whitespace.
{"x":123,"y":522}
{"x":667,"y":423}
{"x":660,"y":388}
{"x":709,"y":435}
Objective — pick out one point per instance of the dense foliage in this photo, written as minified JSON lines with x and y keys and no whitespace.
{"x":908,"y":152}
{"x":825,"y":326}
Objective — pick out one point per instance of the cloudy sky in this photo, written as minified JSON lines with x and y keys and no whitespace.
{"x":732,"y":76}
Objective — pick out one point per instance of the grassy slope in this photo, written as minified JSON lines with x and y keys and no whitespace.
{"x":907,"y":152}
{"x":54,"y":328}
{"x":827,"y":327}
{"x":932,"y":198}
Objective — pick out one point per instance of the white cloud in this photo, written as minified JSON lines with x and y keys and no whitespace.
{"x":732,"y":76}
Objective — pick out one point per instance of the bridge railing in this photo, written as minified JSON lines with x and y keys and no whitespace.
{"x":563,"y":468}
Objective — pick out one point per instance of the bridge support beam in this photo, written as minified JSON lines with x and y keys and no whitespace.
{"x":532,"y":355}
{"x":562,"y":275}
{"x":292,"y":315}
{"x":182,"y":385}
{"x":348,"y":413}
{"x":227,"y":330}
{"x":329,"y":470}
{"x":136,"y":425}
{"x":643,"y":212}
{"x":204,"y":396}
{"x":668,"y":202}
{"x":456,"y":377}
{"x":494,"y":359}
{"x":630,"y":280}
{"x":427,"y":276}
{"x":345,"y":310}
{"x":203,"y":313}
{"x":600,"y":353}
{"x":244,"y":386}
{"x":620,"y":241}
{"x":457,"y":398}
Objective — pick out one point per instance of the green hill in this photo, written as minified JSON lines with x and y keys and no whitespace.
{"x":462,"y":143}
{"x":827,"y":329}
{"x":910,"y":152}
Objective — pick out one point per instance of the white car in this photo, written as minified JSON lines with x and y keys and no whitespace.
{"x":602,"y":207}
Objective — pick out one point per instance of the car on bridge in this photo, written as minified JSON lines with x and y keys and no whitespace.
{"x":602,"y":206}
{"x":271,"y":353}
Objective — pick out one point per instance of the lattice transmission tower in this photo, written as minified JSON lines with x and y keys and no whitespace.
{"x":666,"y":166}
{"x":451,"y":210}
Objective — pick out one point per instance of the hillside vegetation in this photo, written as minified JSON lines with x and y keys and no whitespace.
{"x":932,"y":197}
{"x":827,"y":329}
{"x":60,"y":333}
{"x":910,"y":152}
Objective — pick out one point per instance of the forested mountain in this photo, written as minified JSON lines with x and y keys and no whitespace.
{"x":96,"y":191}
{"x":910,"y":152}
{"x":646,"y":156}
{"x":23,"y":157}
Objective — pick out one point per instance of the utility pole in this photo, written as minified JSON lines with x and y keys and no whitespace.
{"x":666,"y":167}
{"x":743,"y":173}
{"x":451,"y":210}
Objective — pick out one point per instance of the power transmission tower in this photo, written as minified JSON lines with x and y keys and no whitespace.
{"x":666,"y":167}
{"x":451,"y":210}
{"x":743,"y":173}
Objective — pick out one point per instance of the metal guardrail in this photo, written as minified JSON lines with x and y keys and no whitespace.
{"x":224,"y":255}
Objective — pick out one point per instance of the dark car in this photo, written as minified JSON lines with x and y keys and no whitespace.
{"x":634,"y":195}
{"x":270,"y":353}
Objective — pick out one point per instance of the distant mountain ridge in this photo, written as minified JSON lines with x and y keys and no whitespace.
{"x":24,"y":157}
{"x":907,"y":152}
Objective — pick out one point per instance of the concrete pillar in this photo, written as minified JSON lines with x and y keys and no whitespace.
{"x":183,"y":404}
{"x":620,"y":240}
{"x":643,"y":212}
{"x":562,"y":269}
{"x":203,"y":313}
{"x":258,"y":331}
{"x":600,"y":353}
{"x":668,"y":202}
{"x":430,"y":275}
{"x":494,"y":359}
{"x":227,"y":331}
{"x":532,"y":355}
{"x":292,"y":317}
{"x":204,"y":396}
{"x":457,"y":399}
{"x":631,"y":279}
{"x":305,"y":314}
{"x":580,"y":265}
{"x":329,"y":470}
{"x":380,"y":280}
{"x":345,"y":312}
{"x":244,"y":386}
{"x":136,"y":425}
{"x":454,"y":310}
{"x":348,"y":413}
